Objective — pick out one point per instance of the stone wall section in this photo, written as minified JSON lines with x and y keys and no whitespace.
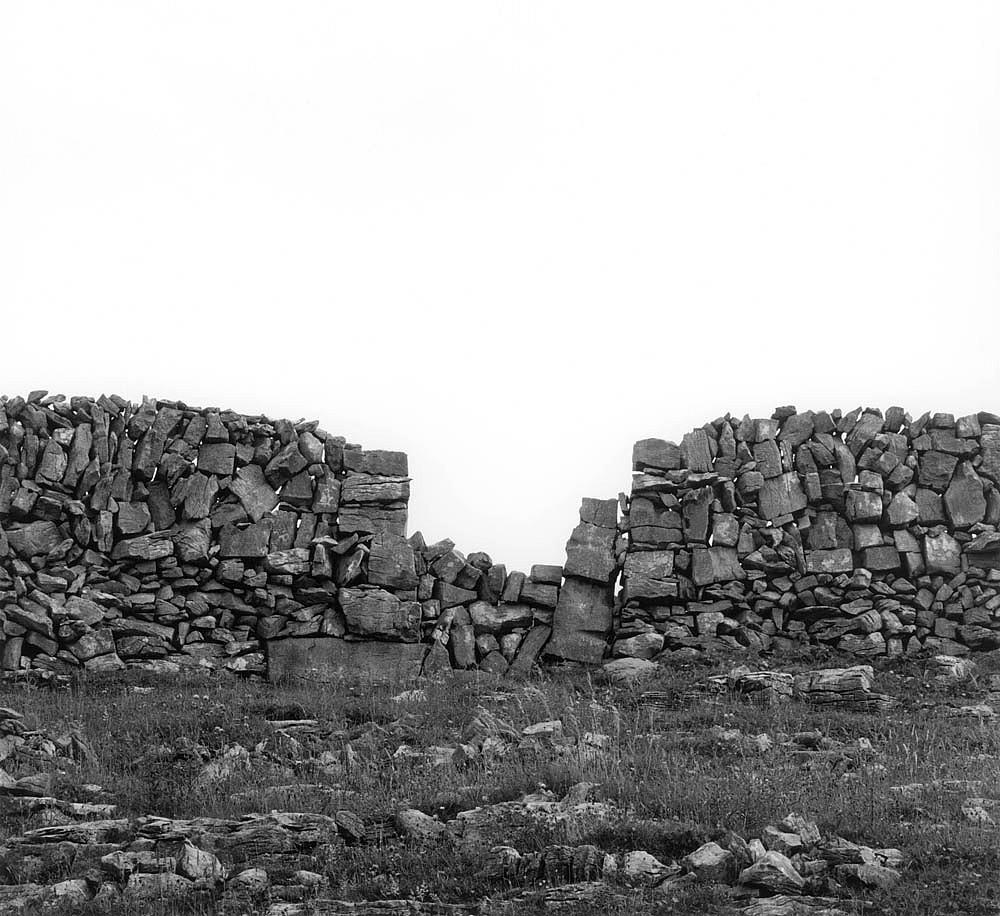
{"x":875,"y":533}
{"x":164,"y":536}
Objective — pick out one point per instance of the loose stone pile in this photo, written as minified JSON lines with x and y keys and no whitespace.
{"x":877,"y":534}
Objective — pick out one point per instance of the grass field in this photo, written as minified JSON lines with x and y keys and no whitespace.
{"x":673,"y":776}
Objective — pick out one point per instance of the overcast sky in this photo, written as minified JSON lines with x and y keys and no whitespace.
{"x":507,"y":238}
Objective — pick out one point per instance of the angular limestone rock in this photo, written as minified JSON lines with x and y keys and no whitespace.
{"x":965,"y":499}
{"x":590,"y":549}
{"x":487,"y":618}
{"x":936,"y":470}
{"x":34,"y":539}
{"x":990,"y":450}
{"x":217,"y":458}
{"x":582,"y":621}
{"x":655,"y":453}
{"x":774,"y":874}
{"x":254,"y":492}
{"x":649,"y":574}
{"x":942,"y":554}
{"x":378,"y":613}
{"x":391,"y":562}
{"x":368,"y":489}
{"x":829,"y":561}
{"x":781,"y":496}
{"x":715,"y":564}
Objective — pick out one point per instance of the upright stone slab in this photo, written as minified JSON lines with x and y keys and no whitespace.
{"x":581,"y":624}
{"x":590,"y":549}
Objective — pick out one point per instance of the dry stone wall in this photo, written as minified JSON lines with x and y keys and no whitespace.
{"x":165,"y":536}
{"x":875,"y":533}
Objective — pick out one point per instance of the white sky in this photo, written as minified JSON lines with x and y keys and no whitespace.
{"x":507,"y":238}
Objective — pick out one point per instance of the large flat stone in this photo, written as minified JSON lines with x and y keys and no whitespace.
{"x":590,"y":549}
{"x":582,"y":621}
{"x":378,"y":613}
{"x":34,"y":539}
{"x":254,"y":492}
{"x":324,"y":659}
{"x":781,"y":496}
{"x":965,"y":498}
{"x":715,"y":564}
{"x":391,"y":562}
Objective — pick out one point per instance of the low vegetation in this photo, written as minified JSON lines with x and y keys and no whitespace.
{"x":680,"y":758}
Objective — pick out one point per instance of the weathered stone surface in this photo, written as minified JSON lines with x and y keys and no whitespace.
{"x":645,"y":645}
{"x":53,"y":463}
{"x":930,"y":506}
{"x":391,"y":562}
{"x":590,"y":549}
{"x":92,"y":644}
{"x":217,"y":458}
{"x":487,"y":618}
{"x":327,"y":495}
{"x":325,"y":659}
{"x":367,"y":489}
{"x":34,"y":539}
{"x":710,"y":862}
{"x":774,"y":874}
{"x":31,"y":616}
{"x":797,"y":429}
{"x":902,"y":511}
{"x":245,"y":541}
{"x":829,"y":561}
{"x":378,"y":462}
{"x":539,"y":594}
{"x":965,"y":500}
{"x":294,"y":562}
{"x":255,"y":494}
{"x":990,"y":450}
{"x":882,"y":559}
{"x":372,"y":519}
{"x":286,"y":463}
{"x":649,"y":574}
{"x":695,"y":510}
{"x":781,"y":496}
{"x":133,"y":518}
{"x":199,"y":496}
{"x":150,"y":448}
{"x":582,"y":621}
{"x":378,"y":613}
{"x":715,"y":564}
{"x":528,"y":651}
{"x":147,"y":547}
{"x":655,"y":453}
{"x":629,"y":670}
{"x":696,"y":452}
{"x":942,"y":553}
{"x":936,"y":469}
{"x":861,"y":506}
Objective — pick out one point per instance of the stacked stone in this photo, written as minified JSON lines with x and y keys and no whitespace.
{"x":872,"y":532}
{"x":167,"y":536}
{"x":473,"y":611}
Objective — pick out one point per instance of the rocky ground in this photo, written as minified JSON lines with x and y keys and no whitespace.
{"x":720,"y":785}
